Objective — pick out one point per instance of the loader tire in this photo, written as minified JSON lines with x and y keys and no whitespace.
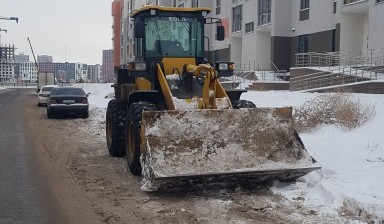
{"x":132,"y":136}
{"x":237,"y":104}
{"x":115,"y":122}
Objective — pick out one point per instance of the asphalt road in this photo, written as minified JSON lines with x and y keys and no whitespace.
{"x":25,"y":196}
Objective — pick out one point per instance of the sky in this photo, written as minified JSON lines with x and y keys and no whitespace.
{"x":67,"y":30}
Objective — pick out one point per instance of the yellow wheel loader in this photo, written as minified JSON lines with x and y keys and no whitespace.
{"x":176,"y":123}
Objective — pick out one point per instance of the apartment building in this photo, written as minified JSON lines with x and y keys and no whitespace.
{"x":27,"y":72}
{"x":44,"y":59}
{"x":107,"y":65}
{"x":7,"y":60}
{"x":94,"y":73}
{"x":268,"y":33}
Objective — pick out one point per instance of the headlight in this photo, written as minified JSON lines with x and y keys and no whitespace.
{"x":137,"y":66}
{"x":140,"y":66}
{"x":223,"y":66}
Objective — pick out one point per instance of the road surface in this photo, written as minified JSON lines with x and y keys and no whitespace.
{"x":24,"y":194}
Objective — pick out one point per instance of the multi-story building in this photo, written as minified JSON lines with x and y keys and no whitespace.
{"x":21,"y":57}
{"x":44,"y":59}
{"x":7,"y":69}
{"x":107,"y":71}
{"x":81,"y":72}
{"x":94,"y":73}
{"x":266,"y":32}
{"x":27,"y":72}
{"x":63,"y":71}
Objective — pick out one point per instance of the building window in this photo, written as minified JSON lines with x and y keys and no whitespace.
{"x":237,"y":15}
{"x":304,"y":4}
{"x":195,"y":3}
{"x":334,"y":6}
{"x":304,"y":10}
{"x":249,"y":27}
{"x":218,"y":7}
{"x":303,"y":43}
{"x":377,"y":1}
{"x":264,"y":12}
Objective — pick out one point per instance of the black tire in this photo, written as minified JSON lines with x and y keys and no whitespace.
{"x":237,"y":104}
{"x":85,"y":115}
{"x":132,"y":136}
{"x":49,"y":114}
{"x":115,"y":124}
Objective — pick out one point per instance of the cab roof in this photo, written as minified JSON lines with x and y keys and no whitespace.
{"x":169,"y":9}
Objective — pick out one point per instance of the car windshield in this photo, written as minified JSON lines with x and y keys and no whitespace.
{"x":67,"y":91}
{"x":46,"y":89}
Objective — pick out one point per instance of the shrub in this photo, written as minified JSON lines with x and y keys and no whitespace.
{"x":332,"y":108}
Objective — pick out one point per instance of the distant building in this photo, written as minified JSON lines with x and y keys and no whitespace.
{"x":21,"y":57}
{"x":27,"y":72}
{"x":44,"y":59}
{"x":7,"y":59}
{"x":107,"y":66}
{"x":81,"y":72}
{"x":62,"y":71}
{"x":94,"y":73}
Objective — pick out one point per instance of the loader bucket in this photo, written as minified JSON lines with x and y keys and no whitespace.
{"x":221,"y":147}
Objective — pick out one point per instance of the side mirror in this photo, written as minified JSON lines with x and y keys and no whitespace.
{"x":220,"y":33}
{"x":139,"y":29}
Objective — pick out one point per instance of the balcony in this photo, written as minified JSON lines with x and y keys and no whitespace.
{"x":355,"y":6}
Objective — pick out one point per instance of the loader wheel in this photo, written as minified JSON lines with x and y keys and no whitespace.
{"x":237,"y":104}
{"x":115,"y":121}
{"x":132,"y":136}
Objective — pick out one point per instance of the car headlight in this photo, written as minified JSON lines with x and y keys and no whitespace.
{"x":223,"y":66}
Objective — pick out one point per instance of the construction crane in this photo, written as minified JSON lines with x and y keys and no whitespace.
{"x":2,"y":30}
{"x":10,"y":18}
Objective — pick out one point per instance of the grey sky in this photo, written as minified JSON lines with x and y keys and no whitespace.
{"x":83,"y":26}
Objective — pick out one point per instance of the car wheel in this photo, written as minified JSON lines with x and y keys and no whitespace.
{"x":86,"y":114}
{"x":49,"y":114}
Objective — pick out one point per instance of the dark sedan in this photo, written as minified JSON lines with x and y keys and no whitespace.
{"x":68,"y":100}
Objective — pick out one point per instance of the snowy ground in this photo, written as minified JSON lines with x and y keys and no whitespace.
{"x":352,"y":178}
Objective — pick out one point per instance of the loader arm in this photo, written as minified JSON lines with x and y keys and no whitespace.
{"x":212,"y":88}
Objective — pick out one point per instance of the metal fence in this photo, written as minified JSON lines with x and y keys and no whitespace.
{"x":336,"y":68}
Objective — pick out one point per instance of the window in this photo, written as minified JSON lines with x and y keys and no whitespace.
{"x":195,"y":3}
{"x":304,"y":4}
{"x":304,"y":10}
{"x":303,"y":43}
{"x":334,"y":6}
{"x":264,"y":12}
{"x":249,"y":27}
{"x":237,"y":15}
{"x":218,"y":7}
{"x":377,"y":1}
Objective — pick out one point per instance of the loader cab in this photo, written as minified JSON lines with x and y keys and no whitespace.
{"x":162,"y":32}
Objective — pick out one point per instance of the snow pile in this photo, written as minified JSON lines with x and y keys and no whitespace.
{"x":351,"y":179}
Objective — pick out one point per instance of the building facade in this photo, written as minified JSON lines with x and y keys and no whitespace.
{"x":94,"y":73}
{"x":268,"y":33}
{"x":107,"y":71}
{"x":21,"y":57}
{"x":7,"y":61}
{"x":44,"y":59}
{"x":27,"y":72}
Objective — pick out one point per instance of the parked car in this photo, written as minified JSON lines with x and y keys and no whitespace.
{"x":44,"y":94}
{"x":68,"y":100}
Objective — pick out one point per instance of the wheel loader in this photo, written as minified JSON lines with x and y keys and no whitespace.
{"x":176,"y":124}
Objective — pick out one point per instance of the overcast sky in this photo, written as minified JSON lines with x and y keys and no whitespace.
{"x":80,"y":29}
